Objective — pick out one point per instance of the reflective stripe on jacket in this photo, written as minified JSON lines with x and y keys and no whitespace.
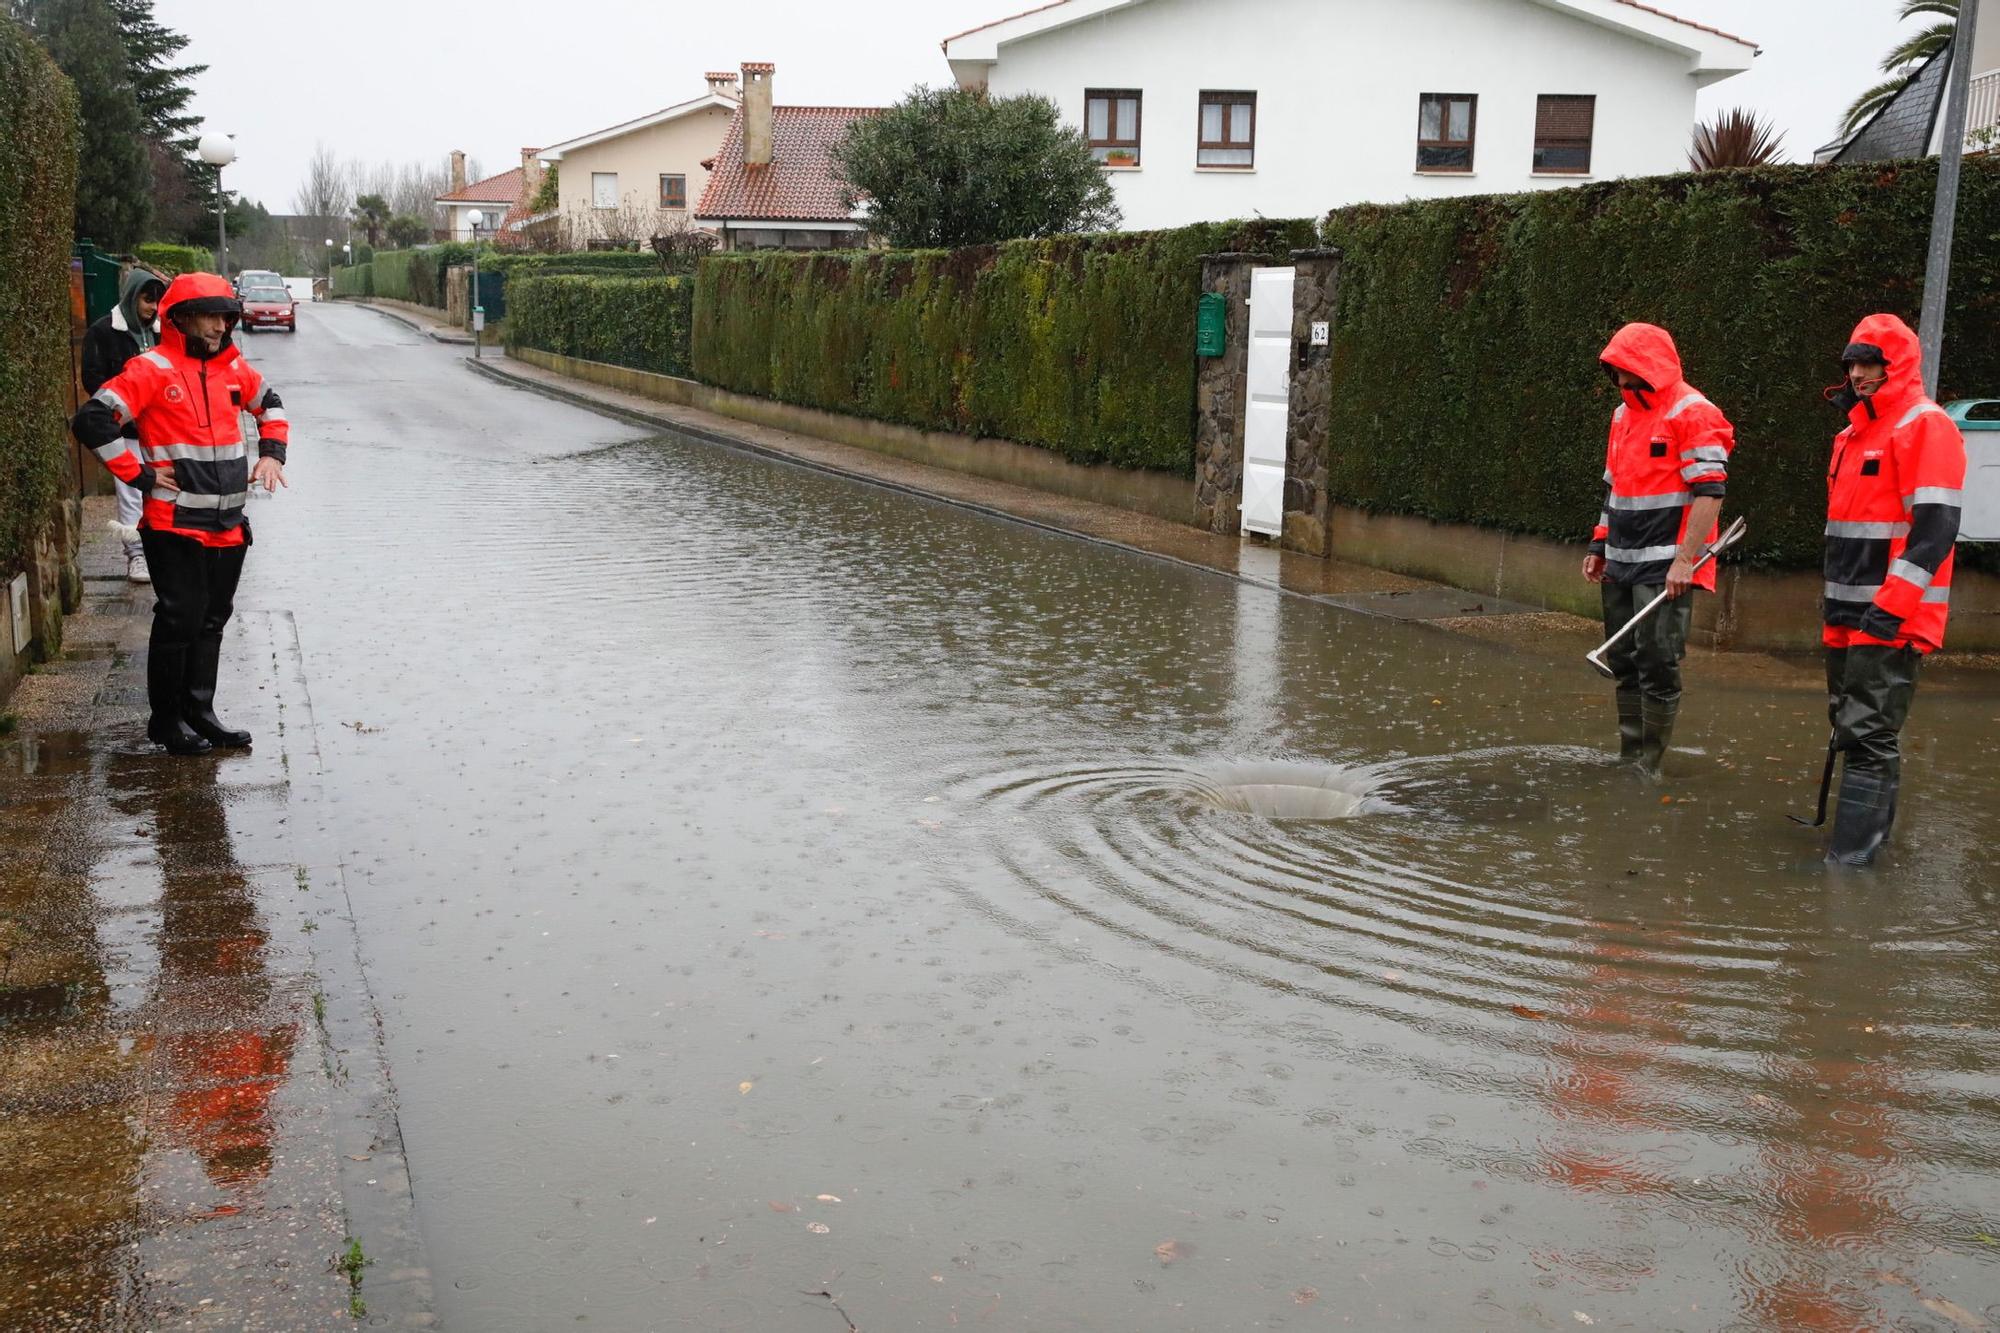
{"x":1668,"y":445}
{"x":1893,"y":493}
{"x":187,"y":411}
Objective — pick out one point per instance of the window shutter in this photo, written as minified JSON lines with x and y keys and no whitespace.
{"x":1565,"y":118}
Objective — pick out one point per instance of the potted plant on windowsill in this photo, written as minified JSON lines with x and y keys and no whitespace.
{"x":1121,"y":157}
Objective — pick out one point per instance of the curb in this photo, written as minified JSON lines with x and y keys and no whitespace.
{"x":429,"y":331}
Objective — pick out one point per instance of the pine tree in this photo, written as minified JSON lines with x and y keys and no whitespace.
{"x":114,"y":179}
{"x":164,"y":91}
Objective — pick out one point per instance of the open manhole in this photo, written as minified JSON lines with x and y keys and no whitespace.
{"x":1288,"y":791}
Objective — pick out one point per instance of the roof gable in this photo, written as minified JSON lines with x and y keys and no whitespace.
{"x":1712,"y":47}
{"x":799,"y":184}
{"x":645,"y":122}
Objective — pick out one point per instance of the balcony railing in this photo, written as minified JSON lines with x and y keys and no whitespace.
{"x":1982,"y":114}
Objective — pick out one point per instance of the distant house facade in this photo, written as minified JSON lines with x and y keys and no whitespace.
{"x":628,"y":182}
{"x":498,"y":200}
{"x":774,"y":185}
{"x":1200,"y":111}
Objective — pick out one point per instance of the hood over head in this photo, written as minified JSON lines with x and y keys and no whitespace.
{"x":197,"y":292}
{"x":1645,"y":350}
{"x":1896,"y":344}
{"x":137,"y":280}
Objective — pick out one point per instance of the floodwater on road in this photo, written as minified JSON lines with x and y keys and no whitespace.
{"x":789,"y":899}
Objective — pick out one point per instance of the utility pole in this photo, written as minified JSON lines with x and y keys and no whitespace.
{"x":1944,"y":215}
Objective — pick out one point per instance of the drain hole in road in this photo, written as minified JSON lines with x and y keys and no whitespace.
{"x":1287,"y":791}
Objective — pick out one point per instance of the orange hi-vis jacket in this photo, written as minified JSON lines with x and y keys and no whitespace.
{"x":1668,"y":445}
{"x":1893,"y":492}
{"x":188,"y":413}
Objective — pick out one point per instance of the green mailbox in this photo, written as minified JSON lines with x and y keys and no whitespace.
{"x":1211,"y":324}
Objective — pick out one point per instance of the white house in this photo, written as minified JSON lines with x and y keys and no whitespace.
{"x":1286,"y":108}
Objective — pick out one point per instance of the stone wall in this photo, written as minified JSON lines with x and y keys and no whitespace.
{"x":1219,"y":389}
{"x":1315,"y":288}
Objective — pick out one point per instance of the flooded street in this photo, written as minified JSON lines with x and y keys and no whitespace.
{"x":787,"y":898}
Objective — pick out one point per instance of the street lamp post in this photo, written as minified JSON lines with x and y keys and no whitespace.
{"x":477,"y":314}
{"x":219,"y":150}
{"x":329,"y":267}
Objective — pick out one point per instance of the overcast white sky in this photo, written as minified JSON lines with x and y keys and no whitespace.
{"x":405,"y":79}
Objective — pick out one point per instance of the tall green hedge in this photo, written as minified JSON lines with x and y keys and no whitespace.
{"x":608,"y":263}
{"x":1080,"y":344}
{"x":38,"y":164}
{"x":1466,"y":384}
{"x":637,"y":322}
{"x":354,"y":280}
{"x":405,"y":275}
{"x":174,"y":260}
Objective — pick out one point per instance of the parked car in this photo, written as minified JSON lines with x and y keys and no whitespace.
{"x":269,"y":306}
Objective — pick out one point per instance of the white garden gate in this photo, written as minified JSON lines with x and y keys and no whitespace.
{"x":1267,"y":412}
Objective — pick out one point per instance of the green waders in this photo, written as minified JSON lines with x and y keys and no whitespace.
{"x":1647,"y":666}
{"x":1869,"y":688}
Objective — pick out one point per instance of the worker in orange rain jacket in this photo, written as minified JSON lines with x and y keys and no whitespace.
{"x":187,"y":395}
{"x":1666,"y":465}
{"x":1893,"y":493}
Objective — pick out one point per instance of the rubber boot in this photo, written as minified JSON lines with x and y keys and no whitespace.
{"x":1861,"y":821}
{"x":204,"y":663}
{"x":1631,"y":727}
{"x":1656,"y":733}
{"x":166,"y":669}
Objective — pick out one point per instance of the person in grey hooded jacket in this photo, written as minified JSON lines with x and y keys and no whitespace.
{"x":108,"y":344}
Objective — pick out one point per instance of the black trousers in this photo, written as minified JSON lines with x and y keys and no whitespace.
{"x":194,"y":590}
{"x":1869,"y":688}
{"x":1648,"y":661}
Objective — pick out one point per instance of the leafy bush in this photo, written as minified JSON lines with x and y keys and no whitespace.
{"x":607,"y":262}
{"x":637,"y":322}
{"x":394,"y":271}
{"x":1465,"y":378}
{"x":38,"y":164}
{"x":354,"y":280}
{"x":1080,"y":344}
{"x":174,"y":260}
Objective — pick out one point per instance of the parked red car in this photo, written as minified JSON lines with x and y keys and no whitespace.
{"x":269,"y":308}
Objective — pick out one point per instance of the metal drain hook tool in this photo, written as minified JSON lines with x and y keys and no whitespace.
{"x":1825,"y":781}
{"x":1730,"y":536}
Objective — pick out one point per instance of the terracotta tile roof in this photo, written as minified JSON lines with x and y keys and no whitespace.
{"x":1689,"y":22}
{"x":1058,"y":4}
{"x":799,"y":184}
{"x":502,"y":189}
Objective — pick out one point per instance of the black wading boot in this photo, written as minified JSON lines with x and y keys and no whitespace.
{"x":204,"y":662}
{"x":1656,"y":733}
{"x":165,"y":669}
{"x":1867,"y":807}
{"x":1631,"y":728}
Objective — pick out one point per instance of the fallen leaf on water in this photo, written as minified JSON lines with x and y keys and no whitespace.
{"x":1523,"y":1011}
{"x":818,"y":1228}
{"x":829,"y":1198}
{"x":743,"y":1088}
{"x":777,"y":1207}
{"x":1951,"y":1310}
{"x":1582,"y":1318}
{"x":1985,"y":1238}
{"x":359,"y":1157}
{"x":1392,"y":975}
{"x":1666,"y":800}
{"x":1172,"y":1251}
{"x":1305,"y":1295}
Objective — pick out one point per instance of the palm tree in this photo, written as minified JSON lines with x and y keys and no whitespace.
{"x":1902,"y":63}
{"x":1734,"y":138}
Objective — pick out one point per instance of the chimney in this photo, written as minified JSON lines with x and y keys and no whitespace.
{"x":757,"y":112}
{"x":457,"y":170}
{"x":722,"y":83}
{"x":531,"y":174}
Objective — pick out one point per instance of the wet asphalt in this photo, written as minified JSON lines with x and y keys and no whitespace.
{"x":788,"y":901}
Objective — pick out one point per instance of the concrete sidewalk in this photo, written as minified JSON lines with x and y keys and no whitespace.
{"x":196,"y":1124}
{"x":423,"y":319}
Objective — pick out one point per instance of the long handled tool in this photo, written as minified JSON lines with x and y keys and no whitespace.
{"x":1730,"y":536}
